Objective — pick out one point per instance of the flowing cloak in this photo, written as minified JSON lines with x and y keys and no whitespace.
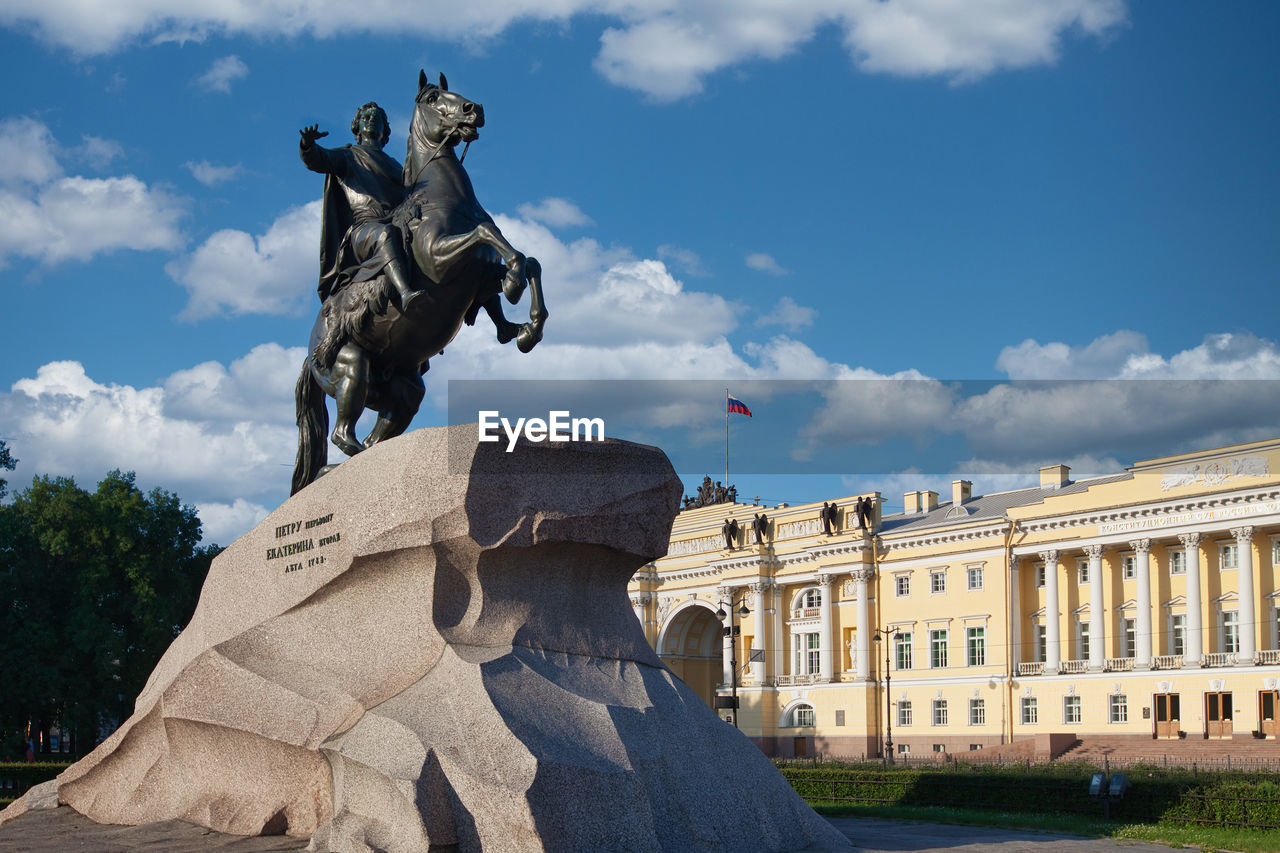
{"x":346,"y":235}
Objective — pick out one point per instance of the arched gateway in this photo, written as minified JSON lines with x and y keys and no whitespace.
{"x":691,"y":644}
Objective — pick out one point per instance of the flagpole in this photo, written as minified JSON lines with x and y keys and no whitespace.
{"x":726,"y":438}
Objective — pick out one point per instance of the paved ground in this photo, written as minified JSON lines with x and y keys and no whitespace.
{"x":62,"y":830}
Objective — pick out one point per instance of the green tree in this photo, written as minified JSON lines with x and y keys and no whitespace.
{"x":7,"y":463}
{"x":94,"y":586}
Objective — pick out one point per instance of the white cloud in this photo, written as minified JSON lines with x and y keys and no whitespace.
{"x":234,"y":272}
{"x":1102,"y":358}
{"x":223,"y":523}
{"x":969,"y":40}
{"x":1126,"y":355}
{"x":221,"y":437}
{"x":664,"y":49}
{"x":683,"y":260}
{"x":28,"y":152}
{"x":788,"y":314}
{"x":555,"y":213}
{"x":210,"y":174}
{"x":221,"y":74}
{"x":765,"y":263}
{"x":1239,"y":355}
{"x":97,"y":152}
{"x":50,"y":216}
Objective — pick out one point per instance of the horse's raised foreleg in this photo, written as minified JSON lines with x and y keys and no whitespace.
{"x":350,"y":375}
{"x":446,"y":251}
{"x":531,"y":332}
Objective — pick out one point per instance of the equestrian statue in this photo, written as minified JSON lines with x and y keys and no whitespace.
{"x":407,"y":256}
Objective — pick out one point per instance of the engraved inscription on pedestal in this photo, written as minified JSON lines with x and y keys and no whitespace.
{"x":305,"y":542}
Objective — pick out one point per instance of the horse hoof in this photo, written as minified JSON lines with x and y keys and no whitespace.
{"x":528,"y":338}
{"x":513,"y":287}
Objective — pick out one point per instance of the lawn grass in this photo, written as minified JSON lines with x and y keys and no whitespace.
{"x":1173,"y":834}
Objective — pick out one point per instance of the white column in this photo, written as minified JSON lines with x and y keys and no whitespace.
{"x":824,"y":636}
{"x":776,"y":657}
{"x":1193,"y":638}
{"x":757,"y":605}
{"x":639,"y":603}
{"x":862,"y":651}
{"x":1052,"y":632}
{"x":1097,"y":624}
{"x":1248,"y":614}
{"x":1015,"y":621}
{"x":1142,"y":625}
{"x":725,"y":594}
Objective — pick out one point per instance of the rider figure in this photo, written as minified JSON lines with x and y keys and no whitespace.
{"x":362,"y":187}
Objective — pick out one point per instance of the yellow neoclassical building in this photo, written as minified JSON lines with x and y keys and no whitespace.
{"x":1144,"y":604}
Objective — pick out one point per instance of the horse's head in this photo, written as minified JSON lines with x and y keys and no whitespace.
{"x":444,"y":117}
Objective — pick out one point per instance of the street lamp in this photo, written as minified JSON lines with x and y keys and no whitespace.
{"x":732,"y":631}
{"x":888,"y":634}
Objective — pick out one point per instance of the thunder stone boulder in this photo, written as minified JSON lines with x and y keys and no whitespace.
{"x":432,"y":645}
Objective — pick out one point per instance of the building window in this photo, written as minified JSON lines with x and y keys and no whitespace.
{"x":1177,"y":633}
{"x":977,"y":712}
{"x":937,"y":649}
{"x":939,"y":712}
{"x":902,"y":650}
{"x":902,"y":586}
{"x":1230,"y":556}
{"x":1130,"y":636}
{"x":904,"y":713}
{"x":938,"y":582}
{"x":975,"y":577}
{"x":939,"y":747}
{"x":1128,"y":566}
{"x":809,"y":599}
{"x":808,"y":659}
{"x":1039,"y":575}
{"x":802,"y":716}
{"x":904,"y":748}
{"x":1082,"y":638}
{"x":976,"y":645}
{"x":1082,"y":571}
{"x":1030,"y":714}
{"x":1071,"y":710}
{"x":1177,"y":562}
{"x":1042,"y":643}
{"x":1119,"y":708}
{"x":1231,"y":631}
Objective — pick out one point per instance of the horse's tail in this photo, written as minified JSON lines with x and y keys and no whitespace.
{"x":313,"y":427}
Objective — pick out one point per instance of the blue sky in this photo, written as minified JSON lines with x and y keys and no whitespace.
{"x":819,"y":190}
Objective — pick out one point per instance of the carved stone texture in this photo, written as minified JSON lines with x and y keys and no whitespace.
{"x":420,"y":650}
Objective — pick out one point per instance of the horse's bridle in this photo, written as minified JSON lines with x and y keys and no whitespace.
{"x":453,"y":131}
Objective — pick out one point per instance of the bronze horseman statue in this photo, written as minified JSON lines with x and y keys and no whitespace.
{"x":407,"y":256}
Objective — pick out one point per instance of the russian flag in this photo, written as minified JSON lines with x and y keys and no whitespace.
{"x":736,"y":406}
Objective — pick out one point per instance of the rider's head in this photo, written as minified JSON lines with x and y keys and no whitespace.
{"x":370,"y":125}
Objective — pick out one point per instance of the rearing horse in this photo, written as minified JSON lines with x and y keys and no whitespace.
{"x":366,"y":353}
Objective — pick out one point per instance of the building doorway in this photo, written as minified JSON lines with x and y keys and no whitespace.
{"x":1268,"y":704}
{"x":1168,"y":716}
{"x":1218,"y":715}
{"x":692,"y":645}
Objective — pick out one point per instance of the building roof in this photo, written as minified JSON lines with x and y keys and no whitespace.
{"x":987,"y":507}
